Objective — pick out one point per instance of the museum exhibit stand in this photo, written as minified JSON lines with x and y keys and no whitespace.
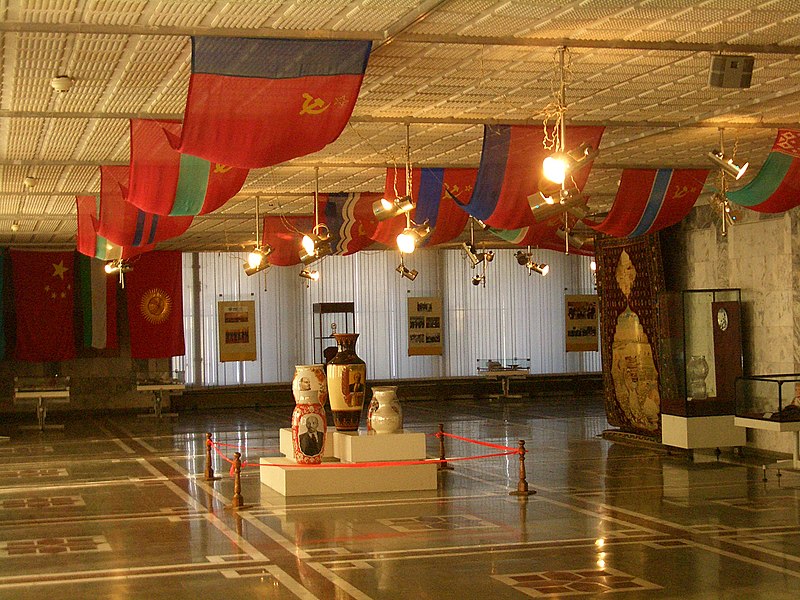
{"x":340,"y":315}
{"x":41,"y":393}
{"x":701,"y":348}
{"x":770,"y":403}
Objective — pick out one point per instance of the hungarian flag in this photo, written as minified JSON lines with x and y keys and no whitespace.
{"x":349,"y":220}
{"x":121,"y":223}
{"x":511,"y":171}
{"x":44,"y":288}
{"x":440,"y":196}
{"x":91,"y":244}
{"x":155,"y":305}
{"x":257,"y":102}
{"x":165,"y":182}
{"x":284,"y":234}
{"x":776,"y":188}
{"x":98,"y":297}
{"x":649,"y":200}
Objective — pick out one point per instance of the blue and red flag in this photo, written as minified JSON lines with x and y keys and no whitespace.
{"x":511,"y":169}
{"x":651,"y":199}
{"x":165,"y":182}
{"x":257,"y":102}
{"x":776,"y":188}
{"x":349,"y":220}
{"x":122,"y":223}
{"x":440,"y":196}
{"x":89,"y":243}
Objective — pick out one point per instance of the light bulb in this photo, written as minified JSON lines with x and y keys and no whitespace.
{"x":554,"y":168}
{"x":407,"y":241}
{"x":254,"y":259}
{"x":308,"y":244}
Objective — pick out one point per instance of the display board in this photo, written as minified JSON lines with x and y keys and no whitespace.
{"x":424,"y":326}
{"x":581,"y":313}
{"x":237,"y":330}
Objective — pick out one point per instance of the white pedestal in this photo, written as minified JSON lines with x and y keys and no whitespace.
{"x":793,"y":426}
{"x":701,"y":432}
{"x":290,"y":479}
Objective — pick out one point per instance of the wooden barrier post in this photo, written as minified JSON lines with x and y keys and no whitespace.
{"x":237,"y":501}
{"x":209,"y":467}
{"x":522,"y":485}
{"x":443,"y":466}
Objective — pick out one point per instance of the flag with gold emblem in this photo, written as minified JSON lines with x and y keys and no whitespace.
{"x":44,"y":291}
{"x":257,"y":102}
{"x":165,"y":182}
{"x":155,"y":305}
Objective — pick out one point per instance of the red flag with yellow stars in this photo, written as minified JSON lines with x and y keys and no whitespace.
{"x":155,"y":305}
{"x":44,"y":290}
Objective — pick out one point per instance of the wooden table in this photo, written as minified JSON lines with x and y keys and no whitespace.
{"x":157,"y":388}
{"x":41,"y":398}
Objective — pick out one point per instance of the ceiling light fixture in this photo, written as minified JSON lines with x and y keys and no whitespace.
{"x":62,"y":83}
{"x":414,"y":233}
{"x":726,"y":164}
{"x":726,"y":167}
{"x":309,"y":274}
{"x":15,"y":226}
{"x":475,"y":257}
{"x":257,"y":258}
{"x":406,"y":272}
{"x":525,"y":259}
{"x":384,"y":209}
{"x":316,"y":244}
{"x":118,"y":266}
{"x":30,"y":182}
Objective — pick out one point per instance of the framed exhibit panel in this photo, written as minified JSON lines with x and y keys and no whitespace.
{"x":237,"y":330}
{"x":424,"y":326}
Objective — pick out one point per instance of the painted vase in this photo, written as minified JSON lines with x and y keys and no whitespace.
{"x":373,"y":405}
{"x":387,"y":416}
{"x":347,"y":382}
{"x":309,"y":380}
{"x":696,"y":372}
{"x":308,"y":429}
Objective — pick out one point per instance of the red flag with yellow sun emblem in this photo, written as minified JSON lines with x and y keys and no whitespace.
{"x":155,"y":305}
{"x":44,"y":292}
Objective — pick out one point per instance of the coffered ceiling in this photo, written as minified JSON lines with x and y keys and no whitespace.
{"x":445,"y":66}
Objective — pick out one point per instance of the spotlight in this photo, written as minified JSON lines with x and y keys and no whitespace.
{"x":478,"y":279}
{"x":257,"y":260}
{"x":593,"y":266}
{"x":406,"y":272}
{"x":727,"y":164}
{"x":117,"y":266}
{"x":522,"y":258}
{"x":309,"y":274}
{"x":408,"y":241}
{"x":384,"y":209}
{"x":576,"y":240}
{"x":540,"y":268}
{"x":558,"y":165}
{"x":476,"y":257}
{"x":316,"y":244}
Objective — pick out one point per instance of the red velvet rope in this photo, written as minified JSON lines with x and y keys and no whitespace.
{"x":487,"y":444}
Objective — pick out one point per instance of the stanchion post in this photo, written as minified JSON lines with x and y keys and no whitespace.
{"x":443,"y":466}
{"x":209,"y":467}
{"x":237,"y":501}
{"x":522,"y":485}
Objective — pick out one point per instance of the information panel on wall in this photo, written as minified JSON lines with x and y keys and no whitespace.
{"x":237,"y":330}
{"x":581,"y":314}
{"x":424,"y":326}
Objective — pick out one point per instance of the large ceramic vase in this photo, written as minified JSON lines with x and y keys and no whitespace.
{"x":387,"y":416}
{"x":308,"y":418}
{"x":347,"y":382}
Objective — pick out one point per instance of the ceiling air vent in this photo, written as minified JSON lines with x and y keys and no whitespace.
{"x":731,"y":71}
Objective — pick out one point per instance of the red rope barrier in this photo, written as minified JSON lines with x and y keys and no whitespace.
{"x":487,"y":444}
{"x":361,"y":465}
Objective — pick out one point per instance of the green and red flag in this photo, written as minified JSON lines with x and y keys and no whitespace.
{"x":98,"y":298}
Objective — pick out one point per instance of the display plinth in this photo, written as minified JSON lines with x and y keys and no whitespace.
{"x":351,"y":447}
{"x":286,"y":477}
{"x":717,"y":431}
{"x":779,"y":426}
{"x":288,"y":450}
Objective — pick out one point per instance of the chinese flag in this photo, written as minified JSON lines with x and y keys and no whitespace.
{"x":44,"y":287}
{"x":155,"y":305}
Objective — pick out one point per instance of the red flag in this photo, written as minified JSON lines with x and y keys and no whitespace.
{"x":44,"y":287}
{"x":257,"y":102}
{"x":165,"y":182}
{"x":155,"y":305}
{"x":284,"y":234}
{"x":90,"y":243}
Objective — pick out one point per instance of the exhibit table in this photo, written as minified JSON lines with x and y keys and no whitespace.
{"x":504,"y":371}
{"x":157,"y":388}
{"x":779,"y":426}
{"x":41,"y":393}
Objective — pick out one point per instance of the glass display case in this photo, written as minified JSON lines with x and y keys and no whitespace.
{"x":342,"y":314}
{"x":769,"y":397}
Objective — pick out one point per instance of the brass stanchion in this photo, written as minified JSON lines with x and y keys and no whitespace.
{"x":443,"y":466}
{"x":237,"y":501}
{"x":209,"y":469}
{"x":522,"y":485}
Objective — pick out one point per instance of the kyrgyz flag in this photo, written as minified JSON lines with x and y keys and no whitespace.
{"x":44,"y":288}
{"x":649,"y":200}
{"x":259,"y":102}
{"x":776,"y":188}
{"x":98,"y":297}
{"x":349,"y":220}
{"x":440,"y":196}
{"x":96,"y":246}
{"x":511,"y":169}
{"x":165,"y":182}
{"x":284,"y":234}
{"x":122,"y":223}
{"x":155,"y":306}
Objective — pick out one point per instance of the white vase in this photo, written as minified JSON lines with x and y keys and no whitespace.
{"x":387,"y":416}
{"x":310,"y":381}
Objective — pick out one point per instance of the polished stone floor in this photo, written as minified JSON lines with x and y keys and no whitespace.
{"x":116,"y":507}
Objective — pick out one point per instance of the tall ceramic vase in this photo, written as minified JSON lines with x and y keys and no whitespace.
{"x":347,"y":379}
{"x":308,"y":418}
{"x":385,"y":416}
